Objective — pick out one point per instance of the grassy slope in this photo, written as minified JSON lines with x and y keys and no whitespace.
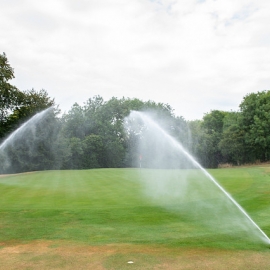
{"x":99,"y":219}
{"x":251,"y":188}
{"x":106,"y":206}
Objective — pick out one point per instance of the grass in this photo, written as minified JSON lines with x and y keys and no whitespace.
{"x":129,"y":213}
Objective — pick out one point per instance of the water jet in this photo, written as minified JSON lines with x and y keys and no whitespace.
{"x":19,"y":131}
{"x":169,"y":141}
{"x":22,"y":137}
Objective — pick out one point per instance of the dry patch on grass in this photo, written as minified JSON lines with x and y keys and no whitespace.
{"x":51,"y":255}
{"x":63,"y":255}
{"x":216,"y":259}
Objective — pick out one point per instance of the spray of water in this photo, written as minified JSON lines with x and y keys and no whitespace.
{"x":27,"y":132}
{"x":178,"y":147}
{"x":20,"y":131}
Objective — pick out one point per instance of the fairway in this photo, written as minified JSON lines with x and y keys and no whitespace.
{"x":103,"y":218}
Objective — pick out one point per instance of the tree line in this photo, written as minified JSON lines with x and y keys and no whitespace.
{"x":92,"y":135}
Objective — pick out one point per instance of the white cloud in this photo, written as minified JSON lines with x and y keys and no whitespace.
{"x":194,"y":55}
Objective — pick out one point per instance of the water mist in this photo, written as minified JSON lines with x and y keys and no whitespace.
{"x":172,"y":178}
{"x":22,"y":137}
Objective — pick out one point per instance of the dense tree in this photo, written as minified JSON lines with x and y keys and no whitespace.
{"x":74,"y":122}
{"x":17,"y":106}
{"x":98,"y":134}
{"x":34,"y":147}
{"x":255,"y":121}
{"x":196,"y":144}
{"x":10,"y":97}
{"x":232,"y":145}
{"x":32,"y":103}
{"x":93,"y":152}
{"x":212,"y":127}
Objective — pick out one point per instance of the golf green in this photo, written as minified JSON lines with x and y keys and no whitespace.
{"x":113,"y":206}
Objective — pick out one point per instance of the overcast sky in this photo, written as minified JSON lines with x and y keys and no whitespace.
{"x":196,"y":55}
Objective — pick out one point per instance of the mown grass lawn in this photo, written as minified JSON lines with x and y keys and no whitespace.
{"x":114,"y":211}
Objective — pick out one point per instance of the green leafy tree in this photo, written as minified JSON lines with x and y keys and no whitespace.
{"x":213,"y":129}
{"x":255,"y":121}
{"x":33,"y":102}
{"x":232,"y":145}
{"x":76,"y":152}
{"x":196,"y":144}
{"x":74,"y":122}
{"x":33,"y":150}
{"x":110,"y":119}
{"x":35,"y":147}
{"x":16,"y":106}
{"x":93,"y":151}
{"x":10,"y":97}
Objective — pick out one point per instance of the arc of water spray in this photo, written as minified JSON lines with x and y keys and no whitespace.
{"x":22,"y":127}
{"x":197,"y":164}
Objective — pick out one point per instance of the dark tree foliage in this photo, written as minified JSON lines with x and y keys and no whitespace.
{"x":255,"y":123}
{"x":95,"y":132}
{"x":17,"y":106}
{"x":10,"y":97}
{"x":31,"y":149}
{"x":36,"y":146}
{"x":94,"y":135}
{"x":213,"y":127}
{"x":232,"y":144}
{"x":32,"y":103}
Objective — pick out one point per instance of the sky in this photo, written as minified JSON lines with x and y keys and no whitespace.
{"x":195,"y":55}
